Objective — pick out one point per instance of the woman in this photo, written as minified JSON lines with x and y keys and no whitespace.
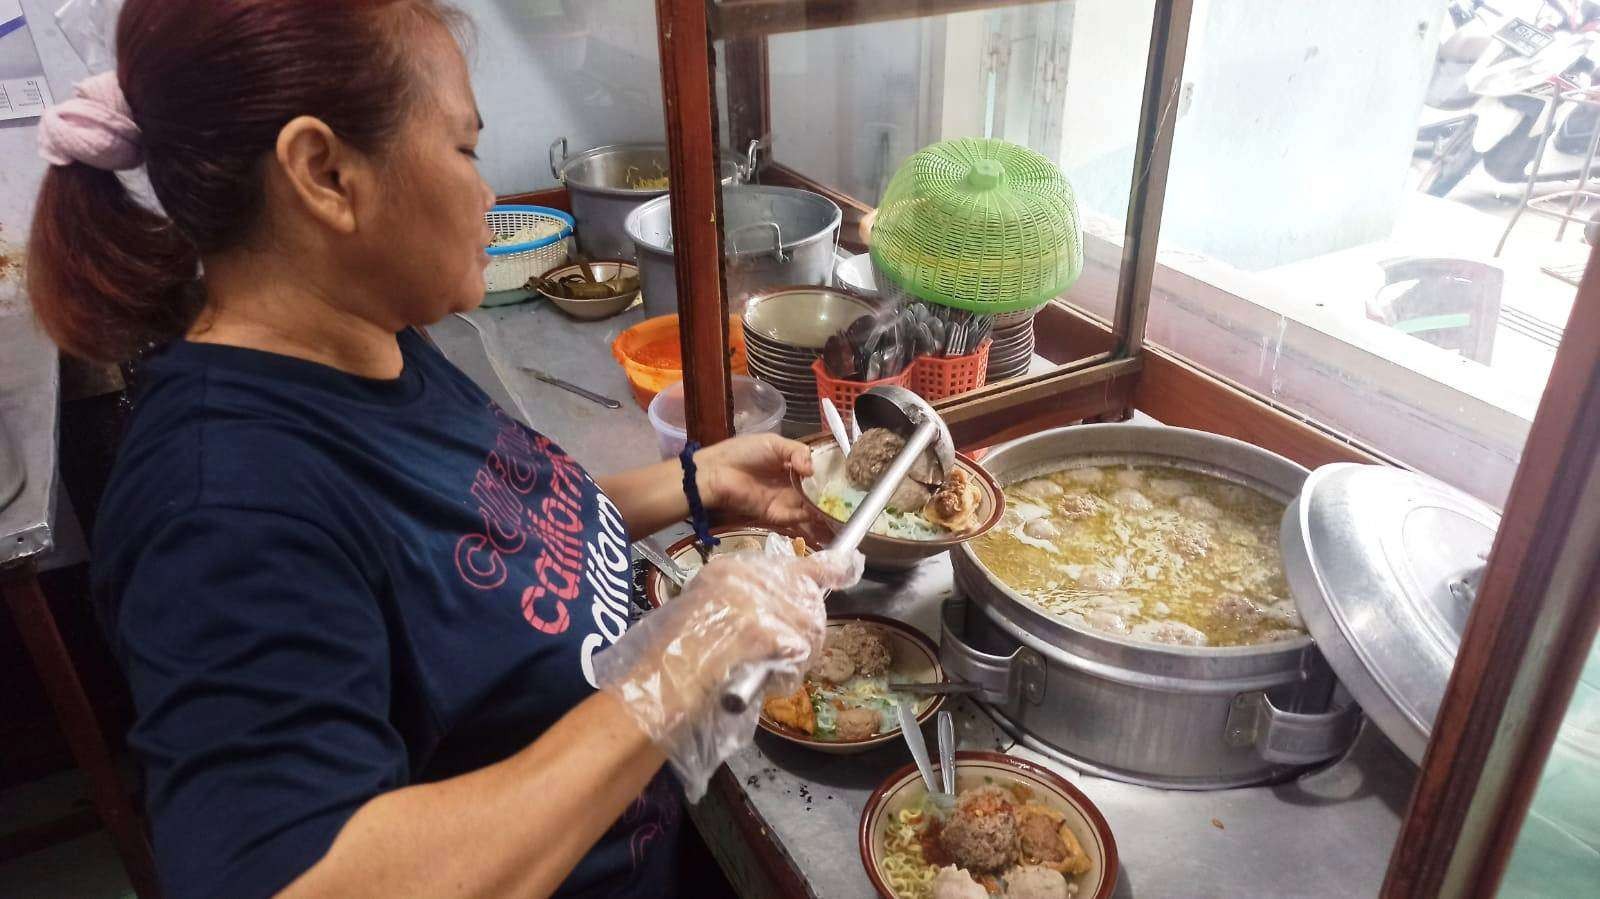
{"x":375,"y":629}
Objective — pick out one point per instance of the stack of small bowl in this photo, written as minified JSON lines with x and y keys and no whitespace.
{"x":1012,"y":350}
{"x":785,"y":331}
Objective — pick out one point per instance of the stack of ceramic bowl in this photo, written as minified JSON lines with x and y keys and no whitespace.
{"x":785,"y":331}
{"x":1012,"y":350}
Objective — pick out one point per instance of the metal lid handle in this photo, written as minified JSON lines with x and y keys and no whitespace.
{"x":555,"y":164}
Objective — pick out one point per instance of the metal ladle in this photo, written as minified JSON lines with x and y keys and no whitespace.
{"x":903,"y":412}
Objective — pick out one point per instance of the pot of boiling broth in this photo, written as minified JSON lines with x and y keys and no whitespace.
{"x":1131,"y":615}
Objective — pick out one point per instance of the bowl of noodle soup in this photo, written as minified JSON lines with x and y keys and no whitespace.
{"x":896,"y":824}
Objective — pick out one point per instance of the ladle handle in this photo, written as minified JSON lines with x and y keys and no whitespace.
{"x":746,"y":687}
{"x":855,"y":530}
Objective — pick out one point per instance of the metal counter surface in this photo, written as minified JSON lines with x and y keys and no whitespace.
{"x":1327,"y":834}
{"x":30,"y":393}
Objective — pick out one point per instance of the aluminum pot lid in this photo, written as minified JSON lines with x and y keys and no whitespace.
{"x":1384,"y":565}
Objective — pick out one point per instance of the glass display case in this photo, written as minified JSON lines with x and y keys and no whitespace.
{"x":1275,"y":249}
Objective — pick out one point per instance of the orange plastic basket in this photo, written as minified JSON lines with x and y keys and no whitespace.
{"x":936,"y":377}
{"x":844,"y":393}
{"x":652,"y":356}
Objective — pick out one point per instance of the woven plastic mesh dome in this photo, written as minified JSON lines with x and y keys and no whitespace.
{"x":983,"y":225}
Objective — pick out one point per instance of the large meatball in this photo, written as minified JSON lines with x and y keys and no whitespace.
{"x":832,"y":664}
{"x":1197,"y":507}
{"x":857,"y":724}
{"x":982,"y":831}
{"x":1190,"y":539}
{"x":1078,"y":505}
{"x":1085,"y":475}
{"x":868,"y":651}
{"x":1035,"y":882}
{"x":1174,"y":632}
{"x":876,"y":449}
{"x":953,"y":883}
{"x":1041,"y":529}
{"x":1039,"y":488}
{"x":1132,"y":500}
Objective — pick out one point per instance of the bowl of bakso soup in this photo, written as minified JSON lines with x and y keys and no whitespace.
{"x":930,"y":511}
{"x":1016,"y":830}
{"x":846,"y":703}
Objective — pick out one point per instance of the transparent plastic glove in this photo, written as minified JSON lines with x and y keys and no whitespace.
{"x":751,"y":608}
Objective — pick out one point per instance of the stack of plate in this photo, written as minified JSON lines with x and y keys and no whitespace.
{"x":785,"y":331}
{"x":1012,"y":350}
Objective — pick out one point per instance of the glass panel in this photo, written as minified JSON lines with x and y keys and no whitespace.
{"x":1342,"y":182}
{"x":1558,"y":849}
{"x":848,"y":106}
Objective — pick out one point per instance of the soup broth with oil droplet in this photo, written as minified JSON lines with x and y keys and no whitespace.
{"x":1147,"y":552}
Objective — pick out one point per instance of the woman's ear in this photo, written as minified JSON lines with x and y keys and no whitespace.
{"x":322,"y":173}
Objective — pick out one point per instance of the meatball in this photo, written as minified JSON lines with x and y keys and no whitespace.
{"x":833,"y":665}
{"x":1078,"y":505}
{"x":1173,"y":632}
{"x":1084,"y":475}
{"x":1132,"y":500}
{"x":1190,"y":539}
{"x":909,"y":497}
{"x":857,"y":724}
{"x":869,"y":654}
{"x":1283,"y":613}
{"x":875,"y":450}
{"x":1041,"y":529}
{"x":1039,"y":837}
{"x":1129,"y":477}
{"x":953,"y":883}
{"x":981,"y":833}
{"x":1040,"y":488}
{"x":1197,"y":507}
{"x":1102,"y":620}
{"x":1035,"y":882}
{"x":1169,"y":488}
{"x":1097,"y":577}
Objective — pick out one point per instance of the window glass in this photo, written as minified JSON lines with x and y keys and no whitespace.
{"x":1345,"y":230}
{"x":848,"y":106}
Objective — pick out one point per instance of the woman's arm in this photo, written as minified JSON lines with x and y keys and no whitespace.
{"x":746,"y":478}
{"x":513,"y":829}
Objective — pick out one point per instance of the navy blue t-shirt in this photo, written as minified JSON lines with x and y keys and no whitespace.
{"x":324,"y":587}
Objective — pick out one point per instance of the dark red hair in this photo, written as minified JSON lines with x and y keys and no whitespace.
{"x":210,"y":84}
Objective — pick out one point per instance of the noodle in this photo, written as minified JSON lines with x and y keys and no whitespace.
{"x":909,"y":876}
{"x":640,"y":182}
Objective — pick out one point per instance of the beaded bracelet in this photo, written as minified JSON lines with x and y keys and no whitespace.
{"x":691,"y":491}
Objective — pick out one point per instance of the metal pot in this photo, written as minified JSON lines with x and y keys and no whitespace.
{"x":772,"y":237}
{"x":597,"y":184}
{"x":1171,"y":716}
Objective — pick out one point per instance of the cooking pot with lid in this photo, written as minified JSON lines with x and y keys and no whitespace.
{"x":1171,"y":716}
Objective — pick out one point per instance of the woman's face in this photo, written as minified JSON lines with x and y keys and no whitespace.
{"x":430,"y":231}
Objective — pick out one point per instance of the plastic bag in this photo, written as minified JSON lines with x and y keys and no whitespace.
{"x":90,"y":26}
{"x":744,"y":609}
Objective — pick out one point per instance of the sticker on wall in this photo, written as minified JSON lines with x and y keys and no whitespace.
{"x":23,"y":91}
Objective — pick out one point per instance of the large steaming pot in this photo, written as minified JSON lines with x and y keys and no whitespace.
{"x":1172,"y":716}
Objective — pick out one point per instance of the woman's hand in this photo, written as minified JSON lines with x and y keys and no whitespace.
{"x":746,"y":480}
{"x":745,"y":609}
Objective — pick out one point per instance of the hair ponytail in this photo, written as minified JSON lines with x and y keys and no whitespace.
{"x":209,"y":85}
{"x":107,"y":276}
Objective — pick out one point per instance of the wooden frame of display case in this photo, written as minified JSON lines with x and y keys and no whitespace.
{"x":1539,"y":603}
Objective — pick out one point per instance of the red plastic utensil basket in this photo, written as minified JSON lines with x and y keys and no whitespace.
{"x":936,"y":377}
{"x":844,"y":393}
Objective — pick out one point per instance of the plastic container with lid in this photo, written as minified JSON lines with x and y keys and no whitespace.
{"x":758,"y":408}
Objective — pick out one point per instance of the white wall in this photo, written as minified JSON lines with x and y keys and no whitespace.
{"x":586,"y":70}
{"x":849,"y":105}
